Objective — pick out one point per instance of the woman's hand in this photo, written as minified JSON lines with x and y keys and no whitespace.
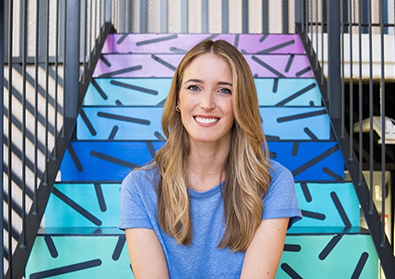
{"x":146,"y":254}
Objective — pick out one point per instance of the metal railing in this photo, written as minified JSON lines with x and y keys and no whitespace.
{"x":50,"y":48}
{"x":348,"y":32}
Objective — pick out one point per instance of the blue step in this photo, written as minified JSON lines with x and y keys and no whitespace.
{"x":143,"y":123}
{"x":144,"y":92}
{"x":86,"y":160}
{"x":322,"y":204}
{"x":104,"y":255}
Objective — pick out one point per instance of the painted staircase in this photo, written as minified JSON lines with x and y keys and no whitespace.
{"x":118,"y":128}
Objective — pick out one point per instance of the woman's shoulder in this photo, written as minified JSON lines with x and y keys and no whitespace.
{"x":279,"y":172}
{"x":142,"y":176}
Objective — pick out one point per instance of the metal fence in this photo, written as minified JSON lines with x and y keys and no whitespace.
{"x":50,"y":48}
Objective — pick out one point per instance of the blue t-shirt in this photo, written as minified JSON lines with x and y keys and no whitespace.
{"x":202,"y":258}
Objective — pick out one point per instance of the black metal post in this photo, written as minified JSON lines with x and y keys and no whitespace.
{"x":285,"y":16}
{"x":334,"y":79}
{"x":2,"y":39}
{"x":72,"y":58}
{"x":225,"y":16}
{"x":265,"y":16}
{"x":244,"y":16}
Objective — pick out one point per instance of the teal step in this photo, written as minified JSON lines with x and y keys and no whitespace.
{"x":145,"y":92}
{"x":101,"y":255}
{"x":142,"y":123}
{"x":322,"y":205}
{"x":86,"y":160}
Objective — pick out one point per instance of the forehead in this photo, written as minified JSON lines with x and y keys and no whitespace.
{"x":208,"y":65}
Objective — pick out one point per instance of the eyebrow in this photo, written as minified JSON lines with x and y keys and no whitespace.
{"x":201,"y":81}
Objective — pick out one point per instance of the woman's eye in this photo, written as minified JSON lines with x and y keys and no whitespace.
{"x":225,"y":90}
{"x":193,"y":88}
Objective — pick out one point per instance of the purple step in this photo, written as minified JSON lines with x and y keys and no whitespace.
{"x":164,"y":65}
{"x":181,"y":43}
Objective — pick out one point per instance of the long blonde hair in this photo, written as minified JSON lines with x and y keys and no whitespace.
{"x":246,"y":167}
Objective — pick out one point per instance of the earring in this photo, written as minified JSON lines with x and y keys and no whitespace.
{"x":178,"y":108}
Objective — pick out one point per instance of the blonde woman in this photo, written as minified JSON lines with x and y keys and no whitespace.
{"x":211,"y":204}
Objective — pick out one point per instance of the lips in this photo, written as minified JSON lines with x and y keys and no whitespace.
{"x":206,"y":120}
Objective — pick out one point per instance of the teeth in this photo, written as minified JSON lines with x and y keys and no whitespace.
{"x":206,"y":120}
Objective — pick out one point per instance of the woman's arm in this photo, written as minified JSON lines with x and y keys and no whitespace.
{"x":264,"y":253}
{"x":146,"y":254}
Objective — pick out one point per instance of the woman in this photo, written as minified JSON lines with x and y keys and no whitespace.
{"x":211,"y":204}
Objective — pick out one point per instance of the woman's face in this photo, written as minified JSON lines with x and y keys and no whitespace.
{"x":205,"y":100}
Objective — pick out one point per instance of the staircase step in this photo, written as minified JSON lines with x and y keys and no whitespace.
{"x":145,"y":92}
{"x":144,"y":123}
{"x":86,"y":160}
{"x":106,"y":256}
{"x":181,"y":43}
{"x":323,"y":205}
{"x":164,"y":65}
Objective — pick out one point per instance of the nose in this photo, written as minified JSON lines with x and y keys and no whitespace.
{"x":207,"y":101}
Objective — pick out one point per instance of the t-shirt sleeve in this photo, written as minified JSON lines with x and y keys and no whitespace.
{"x":280,"y":200}
{"x":133,"y":211}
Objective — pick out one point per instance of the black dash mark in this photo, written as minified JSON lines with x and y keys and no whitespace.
{"x":306,"y":192}
{"x":292,"y":273}
{"x":100,"y":197}
{"x":123,"y":37}
{"x":315,"y":160}
{"x":212,"y":37}
{"x":161,"y":103}
{"x":88,"y":123}
{"x":289,"y":63}
{"x":122,"y":71}
{"x":361,"y":263}
{"x":313,"y":215}
{"x":275,"y":85}
{"x":134,"y":87}
{"x":272,"y":138}
{"x":119,"y":103}
{"x":74,"y":157}
{"x":51,"y":246}
{"x":302,"y":72}
{"x":268,"y":67}
{"x":295,"y":148}
{"x":292,"y":248}
{"x":177,"y":50}
{"x":272,"y":154}
{"x":123,"y":118}
{"x":237,"y":37}
{"x":99,"y":90}
{"x":118,"y":247}
{"x":311,"y":104}
{"x":310,"y":134}
{"x":113,"y":133}
{"x":157,"y":40}
{"x":268,"y":50}
{"x":301,"y":116}
{"x":66,"y":269}
{"x":341,"y":210}
{"x":243,"y":51}
{"x":331,"y":173}
{"x":329,"y":247}
{"x":296,"y":95}
{"x":105,"y":61}
{"x":151,"y":148}
{"x":76,"y":207}
{"x":263,"y":38}
{"x":98,"y":231}
{"x":163,"y":62}
{"x":159,"y":136}
{"x":112,"y":159}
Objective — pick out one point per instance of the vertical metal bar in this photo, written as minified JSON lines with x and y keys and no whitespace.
{"x":164,"y":21}
{"x":143,"y":16}
{"x":323,"y":9}
{"x":55,"y":154}
{"x":244,"y":16}
{"x":2,"y":49}
{"x":36,"y":62}
{"x":382,"y":85}
{"x":360,"y":93}
{"x":108,"y":9}
{"x":307,"y":17}
{"x":46,"y":89}
{"x":94,"y":29}
{"x":65,"y":86}
{"x":100,"y":20}
{"x":342,"y":71}
{"x":24,"y":54}
{"x":371,"y":149}
{"x":225,"y":16}
{"x":9,"y":159}
{"x":204,"y":17}
{"x":85,"y":38}
{"x":311,"y":26}
{"x":72,"y":52}
{"x":126,"y":17}
{"x":350,"y":11}
{"x":265,"y":16}
{"x":285,"y":6}
{"x":334,"y":61}
{"x":90,"y":36}
{"x":316,"y":33}
{"x":184,"y":16}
